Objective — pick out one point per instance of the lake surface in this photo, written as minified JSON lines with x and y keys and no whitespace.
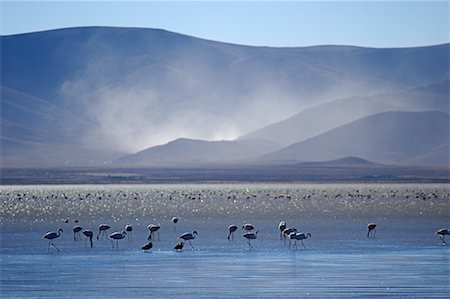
{"x":405,"y":259}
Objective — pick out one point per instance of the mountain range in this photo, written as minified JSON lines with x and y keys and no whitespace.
{"x":96,"y":96}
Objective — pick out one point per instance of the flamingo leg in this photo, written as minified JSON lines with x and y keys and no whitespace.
{"x":249,"y":245}
{"x":57,"y":249}
{"x":158,"y":237}
{"x":229,"y":235}
{"x":191,"y":244}
{"x":374,"y":232}
{"x":303,"y":244}
{"x":112,"y":243}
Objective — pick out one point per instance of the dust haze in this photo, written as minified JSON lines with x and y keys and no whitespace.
{"x":189,"y":91}
{"x":133,"y":107}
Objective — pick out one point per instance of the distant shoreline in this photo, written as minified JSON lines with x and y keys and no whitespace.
{"x":262,"y":174}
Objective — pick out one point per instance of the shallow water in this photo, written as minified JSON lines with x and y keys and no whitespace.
{"x":405,"y":258}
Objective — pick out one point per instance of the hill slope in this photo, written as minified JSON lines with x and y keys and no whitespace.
{"x":188,"y":152}
{"x":323,"y":117}
{"x":412,"y":138}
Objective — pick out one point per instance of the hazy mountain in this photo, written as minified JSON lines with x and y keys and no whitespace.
{"x":323,"y":117}
{"x":88,"y":95}
{"x":412,"y":138}
{"x":342,"y":162}
{"x":188,"y":152}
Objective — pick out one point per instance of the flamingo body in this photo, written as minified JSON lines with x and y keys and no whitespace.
{"x":147,"y":246}
{"x":250,"y":236}
{"x":117,"y":236}
{"x":248,"y":227}
{"x":231,"y":229}
{"x":371,"y":230}
{"x":89,"y":235}
{"x":50,"y":236}
{"x":102,"y":228}
{"x":152,"y":229}
{"x":179,"y":246}
{"x":76,"y":232}
{"x":442,"y":233}
{"x":188,"y":237}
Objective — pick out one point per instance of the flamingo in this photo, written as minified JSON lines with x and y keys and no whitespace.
{"x":282,"y":227}
{"x":102,"y":230}
{"x":50,"y":236}
{"x":153,"y":228}
{"x":231,"y":229}
{"x":175,"y":221}
{"x":250,"y":236}
{"x":370,"y":229}
{"x":442,"y":233}
{"x":129,"y":230}
{"x":248,"y":227}
{"x":147,"y":246}
{"x":300,"y":237}
{"x":188,"y":237}
{"x":89,"y":234}
{"x":117,"y":236}
{"x":76,"y":232}
{"x":179,"y":246}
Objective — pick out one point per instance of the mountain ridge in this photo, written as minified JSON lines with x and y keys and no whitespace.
{"x":123,"y":89}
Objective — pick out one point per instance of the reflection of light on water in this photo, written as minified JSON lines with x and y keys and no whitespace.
{"x":52,"y":204}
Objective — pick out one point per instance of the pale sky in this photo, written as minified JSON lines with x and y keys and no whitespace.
{"x":396,"y":23}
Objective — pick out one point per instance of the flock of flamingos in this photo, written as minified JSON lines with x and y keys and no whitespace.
{"x":286,"y":233}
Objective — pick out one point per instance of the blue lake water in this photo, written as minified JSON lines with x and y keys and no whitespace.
{"x":405,"y":259}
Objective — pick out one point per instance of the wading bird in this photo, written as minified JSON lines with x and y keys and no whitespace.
{"x":248,"y":227}
{"x":231,"y":229}
{"x":147,"y":246}
{"x":371,"y":230}
{"x":250,"y":236}
{"x":152,"y":229}
{"x":76,"y":232}
{"x":50,"y":236}
{"x":188,"y":237}
{"x":175,"y":221}
{"x":102,"y":228}
{"x":89,"y":235}
{"x":129,"y":230}
{"x":442,"y":233}
{"x":179,"y":246}
{"x":282,"y":227}
{"x":117,"y":236}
